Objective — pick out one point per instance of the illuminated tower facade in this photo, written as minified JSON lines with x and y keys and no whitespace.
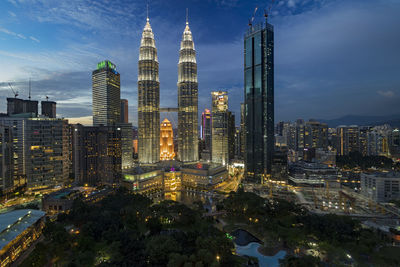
{"x":148,"y":99}
{"x":187,"y":100}
{"x":106,"y":94}
{"x":219,"y":146}
{"x":166,"y":141}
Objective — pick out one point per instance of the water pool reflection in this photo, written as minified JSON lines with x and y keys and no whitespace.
{"x":264,"y":261}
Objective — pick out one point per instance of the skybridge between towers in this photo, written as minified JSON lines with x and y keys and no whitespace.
{"x":169,"y":110}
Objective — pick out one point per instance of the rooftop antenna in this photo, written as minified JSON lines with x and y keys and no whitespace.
{"x":147,"y":11}
{"x":187,"y":16}
{"x":29,"y":89}
{"x":252,"y":18}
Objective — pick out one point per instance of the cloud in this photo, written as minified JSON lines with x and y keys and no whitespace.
{"x":13,"y":2}
{"x":12,"y":14}
{"x":34,"y":39}
{"x":87,"y":15}
{"x":334,"y":59}
{"x":330,"y":57}
{"x":291,"y":3}
{"x":6,"y":31}
{"x":388,"y":93}
{"x":86,"y":120}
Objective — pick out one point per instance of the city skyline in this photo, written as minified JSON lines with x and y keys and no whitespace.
{"x":63,"y":60}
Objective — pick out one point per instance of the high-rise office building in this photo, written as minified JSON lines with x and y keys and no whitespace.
{"x":126,"y":145}
{"x":259,"y":100}
{"x":206,"y":129}
{"x":231,"y":135}
{"x":187,"y":99}
{"x":166,"y":141}
{"x":242,"y":131}
{"x":106,"y":94}
{"x":124,"y":111}
{"x":148,"y":99}
{"x":219,"y":146}
{"x":49,"y":109}
{"x":97,"y":154}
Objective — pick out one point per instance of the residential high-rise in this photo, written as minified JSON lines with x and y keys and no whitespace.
{"x":259,"y":100}
{"x":219,"y":146}
{"x":19,"y":106}
{"x":166,"y":141}
{"x":148,"y":99}
{"x":40,"y":148}
{"x":348,"y":138}
{"x":364,"y":140}
{"x":49,"y":109}
{"x":6,"y":159}
{"x":187,"y":99}
{"x":206,"y":129}
{"x":124,"y":111}
{"x":106,"y":94}
{"x":317,"y":134}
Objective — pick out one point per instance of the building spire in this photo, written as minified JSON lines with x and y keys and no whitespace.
{"x":147,"y":12}
{"x":187,"y":16}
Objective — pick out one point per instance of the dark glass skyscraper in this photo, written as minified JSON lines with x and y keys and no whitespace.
{"x":187,"y":100}
{"x":206,"y":129}
{"x":259,"y":100}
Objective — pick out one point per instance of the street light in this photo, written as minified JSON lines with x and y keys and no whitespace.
{"x":218,"y":258}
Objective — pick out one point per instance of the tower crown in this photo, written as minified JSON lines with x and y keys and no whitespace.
{"x":148,"y":49}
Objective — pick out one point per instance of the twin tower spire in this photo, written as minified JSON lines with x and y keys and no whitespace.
{"x":149,"y":99}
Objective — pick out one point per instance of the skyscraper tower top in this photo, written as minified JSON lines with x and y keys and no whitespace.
{"x":187,"y":51}
{"x":148,"y":44}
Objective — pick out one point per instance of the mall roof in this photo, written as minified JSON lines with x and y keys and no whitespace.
{"x":13,"y":223}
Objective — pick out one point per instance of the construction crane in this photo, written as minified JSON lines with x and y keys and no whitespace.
{"x":29,"y":89}
{"x":12,"y":89}
{"x":252,"y":18}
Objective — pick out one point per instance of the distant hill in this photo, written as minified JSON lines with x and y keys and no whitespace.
{"x":393,"y":120}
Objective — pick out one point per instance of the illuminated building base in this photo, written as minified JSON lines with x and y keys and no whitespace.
{"x":175,"y":177}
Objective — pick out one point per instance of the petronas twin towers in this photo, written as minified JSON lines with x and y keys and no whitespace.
{"x":149,"y":99}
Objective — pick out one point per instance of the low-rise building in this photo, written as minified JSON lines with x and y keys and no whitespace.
{"x":59,"y":201}
{"x":18,"y":230}
{"x":200,"y":176}
{"x":381,"y":187}
{"x":203,"y":176}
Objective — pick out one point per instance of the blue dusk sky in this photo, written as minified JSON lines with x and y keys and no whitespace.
{"x":332,"y":57}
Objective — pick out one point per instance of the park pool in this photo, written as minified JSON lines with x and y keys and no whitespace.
{"x":264,"y":261}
